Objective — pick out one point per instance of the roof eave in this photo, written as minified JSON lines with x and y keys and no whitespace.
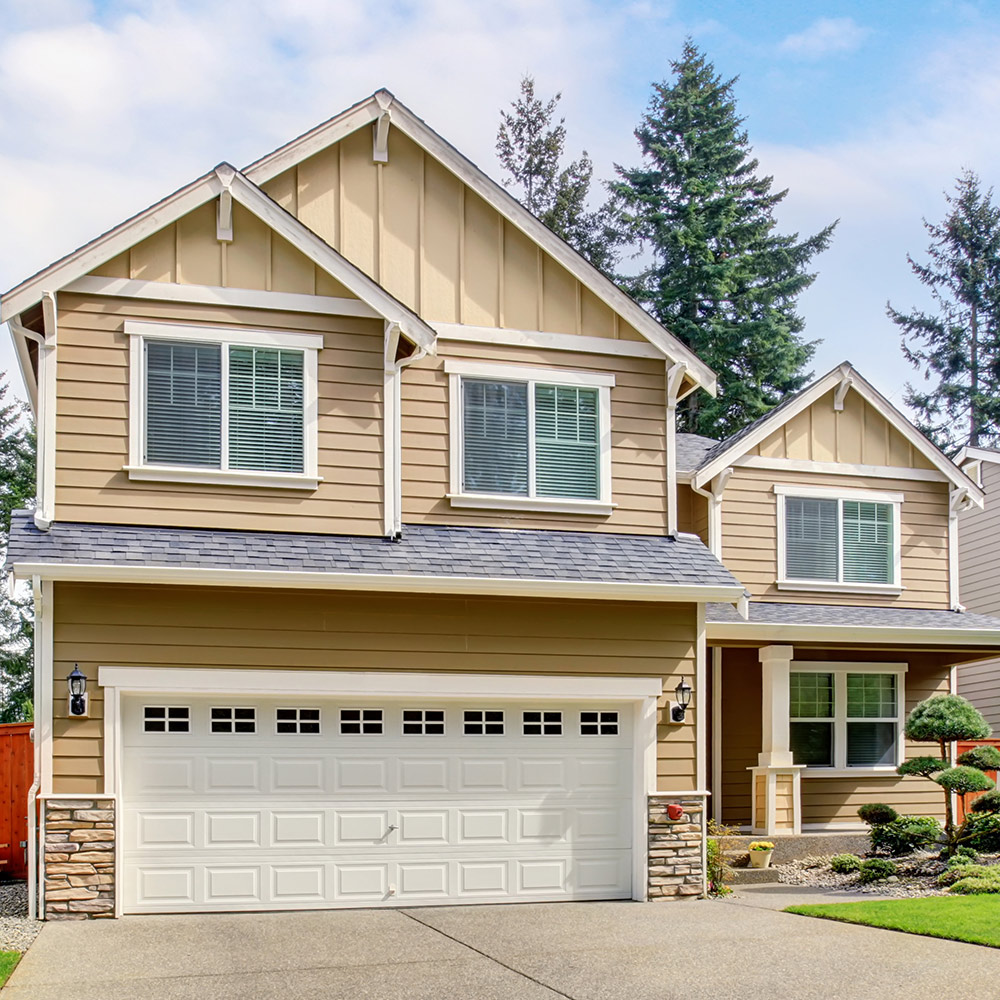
{"x":804,"y":632}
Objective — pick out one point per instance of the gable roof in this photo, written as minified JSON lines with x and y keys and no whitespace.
{"x":738,"y":444}
{"x":691,"y":451}
{"x":175,"y":206}
{"x":383,"y":105}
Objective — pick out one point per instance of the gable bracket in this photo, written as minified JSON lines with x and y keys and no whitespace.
{"x":380,"y":138}
{"x":842,"y":388}
{"x":224,"y":217}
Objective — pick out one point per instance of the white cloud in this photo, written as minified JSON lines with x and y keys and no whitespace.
{"x":825,"y":36}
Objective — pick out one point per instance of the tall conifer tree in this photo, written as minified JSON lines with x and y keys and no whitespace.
{"x":530,"y":147}
{"x":721,"y":278}
{"x":958,"y":346}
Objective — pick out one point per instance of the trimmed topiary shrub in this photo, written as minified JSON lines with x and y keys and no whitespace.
{"x":944,"y":718}
{"x":845,"y":864}
{"x":877,"y":813}
{"x":984,"y":758}
{"x":876,"y":869}
{"x":923,"y":767}
{"x":988,"y":802}
{"x":981,"y":831}
{"x":962,"y":780}
{"x":905,"y":834}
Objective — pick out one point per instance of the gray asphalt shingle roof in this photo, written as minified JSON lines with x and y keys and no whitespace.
{"x":691,"y":451}
{"x":776,"y":613}
{"x":425,"y":550}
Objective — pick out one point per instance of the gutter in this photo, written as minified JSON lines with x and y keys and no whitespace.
{"x":798,"y":633}
{"x":393,"y":583}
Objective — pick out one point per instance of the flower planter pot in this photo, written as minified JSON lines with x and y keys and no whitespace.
{"x":760,"y":859}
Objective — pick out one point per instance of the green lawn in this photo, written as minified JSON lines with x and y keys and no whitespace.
{"x":8,"y":959}
{"x":975,"y":919}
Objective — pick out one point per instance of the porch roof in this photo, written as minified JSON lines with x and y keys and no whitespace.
{"x":837,"y":622}
{"x":429,"y":558}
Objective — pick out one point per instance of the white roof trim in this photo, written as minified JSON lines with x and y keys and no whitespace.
{"x":799,"y":633}
{"x":970,"y":454}
{"x":510,"y":208}
{"x":386,"y":582}
{"x":179,"y":204}
{"x":817,"y":390}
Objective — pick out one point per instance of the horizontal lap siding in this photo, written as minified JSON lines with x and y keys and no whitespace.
{"x":180,"y":627}
{"x":92,"y":425}
{"x":980,"y":683}
{"x":824,"y":800}
{"x":750,"y":547}
{"x":979,"y":547}
{"x":638,"y":416}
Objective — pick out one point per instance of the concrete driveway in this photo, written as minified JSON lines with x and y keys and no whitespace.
{"x":584,"y":951}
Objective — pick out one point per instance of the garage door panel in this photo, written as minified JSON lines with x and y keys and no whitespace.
{"x":293,"y":821}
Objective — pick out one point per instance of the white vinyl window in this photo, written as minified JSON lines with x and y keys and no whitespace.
{"x":213,"y":405}
{"x":166,"y":719}
{"x":483,"y":722}
{"x":598,"y":723}
{"x":303,"y":721}
{"x":361,"y":722}
{"x":530,"y":438}
{"x":833,"y":541}
{"x":233,"y":720}
{"x":846,"y":717}
{"x":423,"y":722}
{"x":541,"y":723}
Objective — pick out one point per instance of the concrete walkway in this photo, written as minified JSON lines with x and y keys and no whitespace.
{"x":742,"y":948}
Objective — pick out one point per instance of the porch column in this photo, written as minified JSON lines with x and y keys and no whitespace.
{"x":776,"y":800}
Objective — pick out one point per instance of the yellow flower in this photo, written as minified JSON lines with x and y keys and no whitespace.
{"x":762,"y":845}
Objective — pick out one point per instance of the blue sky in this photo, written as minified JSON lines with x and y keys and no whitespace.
{"x":865,"y":111}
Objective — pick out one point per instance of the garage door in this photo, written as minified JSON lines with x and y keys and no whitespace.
{"x":244,"y":804}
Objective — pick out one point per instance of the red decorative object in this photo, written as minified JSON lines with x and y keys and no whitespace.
{"x":675,"y":811}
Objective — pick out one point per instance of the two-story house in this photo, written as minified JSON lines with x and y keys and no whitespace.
{"x":364,"y":576}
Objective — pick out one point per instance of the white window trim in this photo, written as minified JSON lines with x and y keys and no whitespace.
{"x":603,"y":382}
{"x":137,"y":469}
{"x":840,"y":669}
{"x":840,"y":586}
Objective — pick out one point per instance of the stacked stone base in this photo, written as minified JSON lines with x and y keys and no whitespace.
{"x":675,"y":848}
{"x":79,"y":858}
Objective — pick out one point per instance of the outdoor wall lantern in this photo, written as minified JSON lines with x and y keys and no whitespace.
{"x":77,"y":683}
{"x":679,"y":708}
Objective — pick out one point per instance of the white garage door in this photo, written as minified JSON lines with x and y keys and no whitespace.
{"x":245,"y":804}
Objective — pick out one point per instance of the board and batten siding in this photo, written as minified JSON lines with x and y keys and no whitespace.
{"x":418,"y":230}
{"x":979,"y":550}
{"x":638,"y":441}
{"x":114,"y":625}
{"x":824,"y":800}
{"x":92,"y":421}
{"x":750,"y":536}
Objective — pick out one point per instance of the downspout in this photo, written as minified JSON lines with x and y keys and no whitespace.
{"x":675,"y":376}
{"x":45,"y":472}
{"x":36,"y":588}
{"x":958,"y":501}
{"x":714,"y":496}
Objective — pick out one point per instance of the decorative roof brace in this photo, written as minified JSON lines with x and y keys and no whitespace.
{"x":224,"y":218}
{"x":842,"y":390}
{"x":380,"y":129}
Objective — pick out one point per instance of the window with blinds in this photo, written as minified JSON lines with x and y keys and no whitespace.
{"x":841,"y":541}
{"x":844,"y":719}
{"x":224,"y":406}
{"x":531,"y":439}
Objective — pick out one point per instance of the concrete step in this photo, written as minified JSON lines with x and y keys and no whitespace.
{"x":792,"y":847}
{"x":752,"y":876}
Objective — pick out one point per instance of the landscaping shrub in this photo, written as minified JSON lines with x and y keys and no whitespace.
{"x":844,"y":864}
{"x":988,"y":802}
{"x":984,"y":758}
{"x":875,"y":869}
{"x":718,"y":871}
{"x":966,"y":869}
{"x":962,"y":856}
{"x":982,"y":831}
{"x":877,"y":814}
{"x":905,"y":834}
{"x":974,"y":886}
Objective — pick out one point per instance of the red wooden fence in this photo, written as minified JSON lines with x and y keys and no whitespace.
{"x":16,"y":772}
{"x":961,"y":802}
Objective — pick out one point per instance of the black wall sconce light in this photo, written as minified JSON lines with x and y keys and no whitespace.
{"x":77,"y":684}
{"x":679,"y":708}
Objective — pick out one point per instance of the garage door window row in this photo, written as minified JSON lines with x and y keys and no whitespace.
{"x":371,"y":721}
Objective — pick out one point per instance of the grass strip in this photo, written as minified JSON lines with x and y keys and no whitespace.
{"x":974,"y":919}
{"x":8,"y":959}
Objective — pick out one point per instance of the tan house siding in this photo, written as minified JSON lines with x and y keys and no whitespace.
{"x":109,"y":625}
{"x":750,"y":546}
{"x":431,"y":241}
{"x":638,"y":441}
{"x":980,"y":683}
{"x":824,"y":800}
{"x":858,"y":434}
{"x":692,"y":512}
{"x":93,"y":418}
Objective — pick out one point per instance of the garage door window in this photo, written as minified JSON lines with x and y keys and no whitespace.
{"x":542,"y":724}
{"x":423,"y":722}
{"x":488,"y":722}
{"x":598,"y":723}
{"x":162,"y":719}
{"x":297,"y":720}
{"x":234,"y":720}
{"x":361,"y":721}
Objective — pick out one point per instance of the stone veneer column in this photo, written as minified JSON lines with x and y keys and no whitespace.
{"x":676,"y":847}
{"x":79,"y":858}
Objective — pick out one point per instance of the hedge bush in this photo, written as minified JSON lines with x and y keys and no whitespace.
{"x":877,"y":814}
{"x":845,"y":864}
{"x":875,"y":869}
{"x":905,"y":834}
{"x":973,"y":886}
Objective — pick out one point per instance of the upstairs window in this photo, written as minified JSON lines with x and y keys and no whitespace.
{"x":833,"y":542}
{"x":223,"y":405}
{"x":528,"y":438}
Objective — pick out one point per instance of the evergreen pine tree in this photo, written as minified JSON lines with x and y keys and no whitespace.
{"x":530,"y":146}
{"x":959,"y":345}
{"x":17,"y":489}
{"x":721,"y":278}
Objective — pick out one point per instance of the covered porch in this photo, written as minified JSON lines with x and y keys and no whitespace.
{"x":809,"y":704}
